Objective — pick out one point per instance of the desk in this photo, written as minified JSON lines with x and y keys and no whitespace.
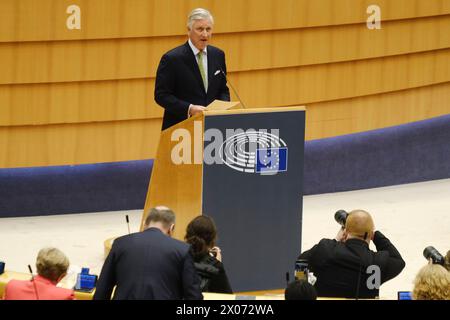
{"x":226,"y":296}
{"x":64,"y":283}
{"x":68,"y":284}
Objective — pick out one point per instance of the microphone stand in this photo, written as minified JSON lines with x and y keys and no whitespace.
{"x":128,"y":224}
{"x":34,"y":283}
{"x":232,"y":87}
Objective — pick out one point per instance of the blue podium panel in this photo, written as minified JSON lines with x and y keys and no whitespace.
{"x":252,"y":187}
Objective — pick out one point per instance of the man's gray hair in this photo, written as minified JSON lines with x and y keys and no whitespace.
{"x":161,"y":214}
{"x":199,"y":14}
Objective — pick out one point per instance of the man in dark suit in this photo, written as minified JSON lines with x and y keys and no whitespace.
{"x":150,"y":264}
{"x":192,"y":75}
{"x":346,"y":267}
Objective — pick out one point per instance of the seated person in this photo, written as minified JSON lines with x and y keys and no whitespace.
{"x":341,"y":265}
{"x":300,"y":290}
{"x":52,"y":265}
{"x":432,"y":283}
{"x":201,"y":234}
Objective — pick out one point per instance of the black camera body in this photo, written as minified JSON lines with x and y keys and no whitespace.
{"x":341,"y":217}
{"x":430,"y":252}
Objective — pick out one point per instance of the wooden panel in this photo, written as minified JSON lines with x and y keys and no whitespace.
{"x":131,"y":140}
{"x":32,"y":20}
{"x":62,"y":61}
{"x":133,"y":99}
{"x":77,"y":102}
{"x":26,"y":146}
{"x":300,"y":47}
{"x":333,"y":118}
{"x":83,"y":60}
{"x":304,"y":85}
{"x":182,"y":192}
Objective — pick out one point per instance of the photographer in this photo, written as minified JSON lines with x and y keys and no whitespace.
{"x":341,"y":264}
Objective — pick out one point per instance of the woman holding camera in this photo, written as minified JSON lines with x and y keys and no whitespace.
{"x":201,"y":234}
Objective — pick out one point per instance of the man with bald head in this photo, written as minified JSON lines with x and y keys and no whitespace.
{"x":150,"y":265}
{"x":346,"y":267}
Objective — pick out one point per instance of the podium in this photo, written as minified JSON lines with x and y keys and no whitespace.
{"x":244,"y":168}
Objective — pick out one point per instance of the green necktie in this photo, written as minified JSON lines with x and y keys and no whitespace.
{"x":202,"y":71}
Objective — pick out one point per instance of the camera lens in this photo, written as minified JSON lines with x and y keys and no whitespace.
{"x":431,"y":253}
{"x":341,"y":216}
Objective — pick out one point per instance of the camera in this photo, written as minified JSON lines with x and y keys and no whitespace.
{"x":341,"y":217}
{"x":436,"y":257}
{"x":301,"y":269}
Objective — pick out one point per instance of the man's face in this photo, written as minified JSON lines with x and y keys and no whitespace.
{"x":200,"y":33}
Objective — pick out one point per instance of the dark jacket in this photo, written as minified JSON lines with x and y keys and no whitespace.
{"x":148,"y":265}
{"x":213,"y":277}
{"x":340,"y":266}
{"x":179,"y":82}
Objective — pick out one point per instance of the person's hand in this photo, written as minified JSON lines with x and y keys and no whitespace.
{"x":195,"y":109}
{"x":340,"y":235}
{"x":215,"y":251}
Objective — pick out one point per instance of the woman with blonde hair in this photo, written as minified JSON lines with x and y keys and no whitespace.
{"x":52,"y":265}
{"x":432,"y":283}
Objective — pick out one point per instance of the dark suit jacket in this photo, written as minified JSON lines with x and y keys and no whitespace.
{"x":179,"y":82}
{"x":337,"y":265}
{"x":148,"y":265}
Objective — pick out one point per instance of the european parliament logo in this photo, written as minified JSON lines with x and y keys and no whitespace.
{"x":255,"y":152}
{"x":271,"y":160}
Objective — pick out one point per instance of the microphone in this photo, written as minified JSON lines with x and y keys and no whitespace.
{"x":234,"y":90}
{"x":34,"y":283}
{"x":128,"y":223}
